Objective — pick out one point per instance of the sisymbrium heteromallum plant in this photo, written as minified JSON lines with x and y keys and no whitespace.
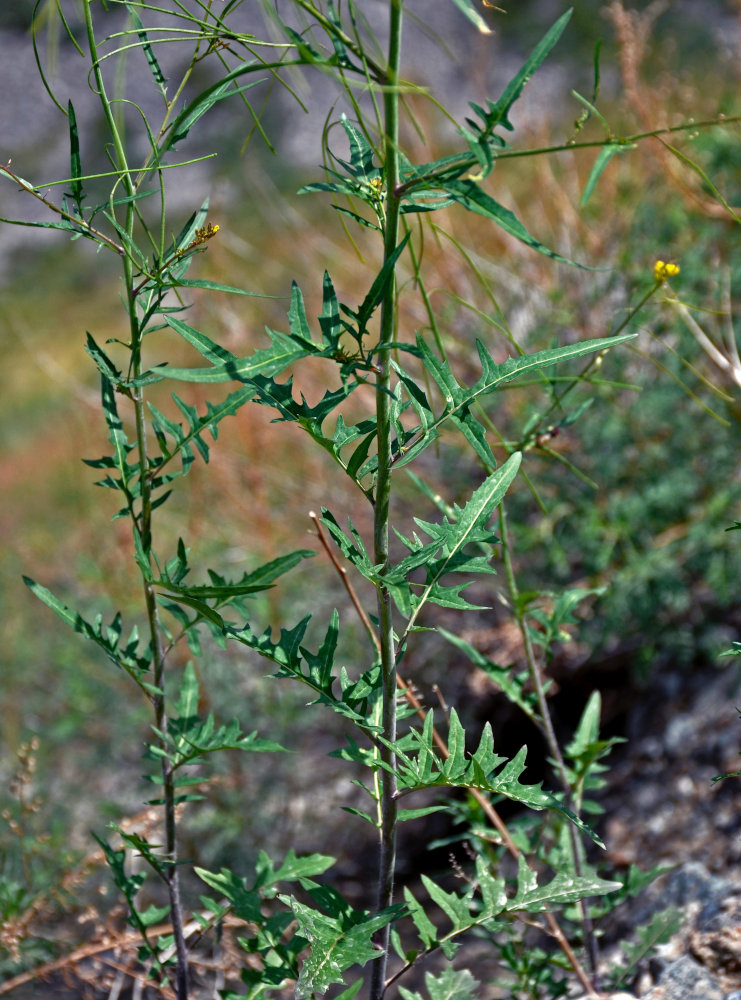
{"x":297,"y":930}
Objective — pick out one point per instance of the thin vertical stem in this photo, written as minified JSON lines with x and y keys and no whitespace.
{"x":387,"y":805}
{"x":143,"y":526}
{"x":548,"y":731}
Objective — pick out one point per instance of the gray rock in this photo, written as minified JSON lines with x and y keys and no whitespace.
{"x":709,"y":966}
{"x":686,"y":979}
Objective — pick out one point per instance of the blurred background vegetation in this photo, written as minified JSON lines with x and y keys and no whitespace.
{"x":634,"y":496}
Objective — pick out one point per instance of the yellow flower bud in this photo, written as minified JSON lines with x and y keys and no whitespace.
{"x":663,"y":271}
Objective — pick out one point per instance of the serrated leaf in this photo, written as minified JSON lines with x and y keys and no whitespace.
{"x":493,"y":894}
{"x":361,"y":152}
{"x":354,"y":699}
{"x":456,"y":908}
{"x":425,"y":927}
{"x":245,"y":903}
{"x":451,"y":984}
{"x":116,"y":433}
{"x":514,"y":686}
{"x":563,"y":888}
{"x":293,"y":867}
{"x":449,"y":539}
{"x":352,"y":546}
{"x":225,"y":366}
{"x":455,"y":765}
{"x":338,"y":941}
{"x":420,"y":765}
{"x":660,"y":929}
{"x":458,"y":399}
{"x":225,"y":592}
{"x":127,"y":658}
{"x":280,"y":397}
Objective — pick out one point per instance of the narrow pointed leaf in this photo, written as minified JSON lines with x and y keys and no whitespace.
{"x":378,"y":289}
{"x":361,"y":152}
{"x":159,"y":78}
{"x":456,"y":763}
{"x":105,"y":366}
{"x":204,"y":102}
{"x":78,"y":192}
{"x":472,"y":197}
{"x":603,"y":158}
{"x":540,"y":52}
{"x":466,"y":7}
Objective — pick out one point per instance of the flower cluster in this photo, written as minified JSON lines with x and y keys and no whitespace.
{"x":663,"y":271}
{"x":203,"y":234}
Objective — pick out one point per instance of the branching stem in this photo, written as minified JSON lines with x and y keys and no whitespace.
{"x":144,"y":530}
{"x":405,"y":688}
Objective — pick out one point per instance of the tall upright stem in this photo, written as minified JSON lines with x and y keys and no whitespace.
{"x":143,"y":525}
{"x":387,"y":804}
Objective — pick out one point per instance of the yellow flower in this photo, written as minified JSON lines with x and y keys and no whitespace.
{"x":663,"y":271}
{"x":202,"y":235}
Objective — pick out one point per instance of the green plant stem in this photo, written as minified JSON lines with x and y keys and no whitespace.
{"x":387,"y":804}
{"x":594,"y":362}
{"x":466,"y":161}
{"x":549,"y":733}
{"x":90,"y":231}
{"x":144,"y":529}
{"x":334,"y":31}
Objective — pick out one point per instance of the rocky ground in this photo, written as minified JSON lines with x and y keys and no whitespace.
{"x":663,"y":807}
